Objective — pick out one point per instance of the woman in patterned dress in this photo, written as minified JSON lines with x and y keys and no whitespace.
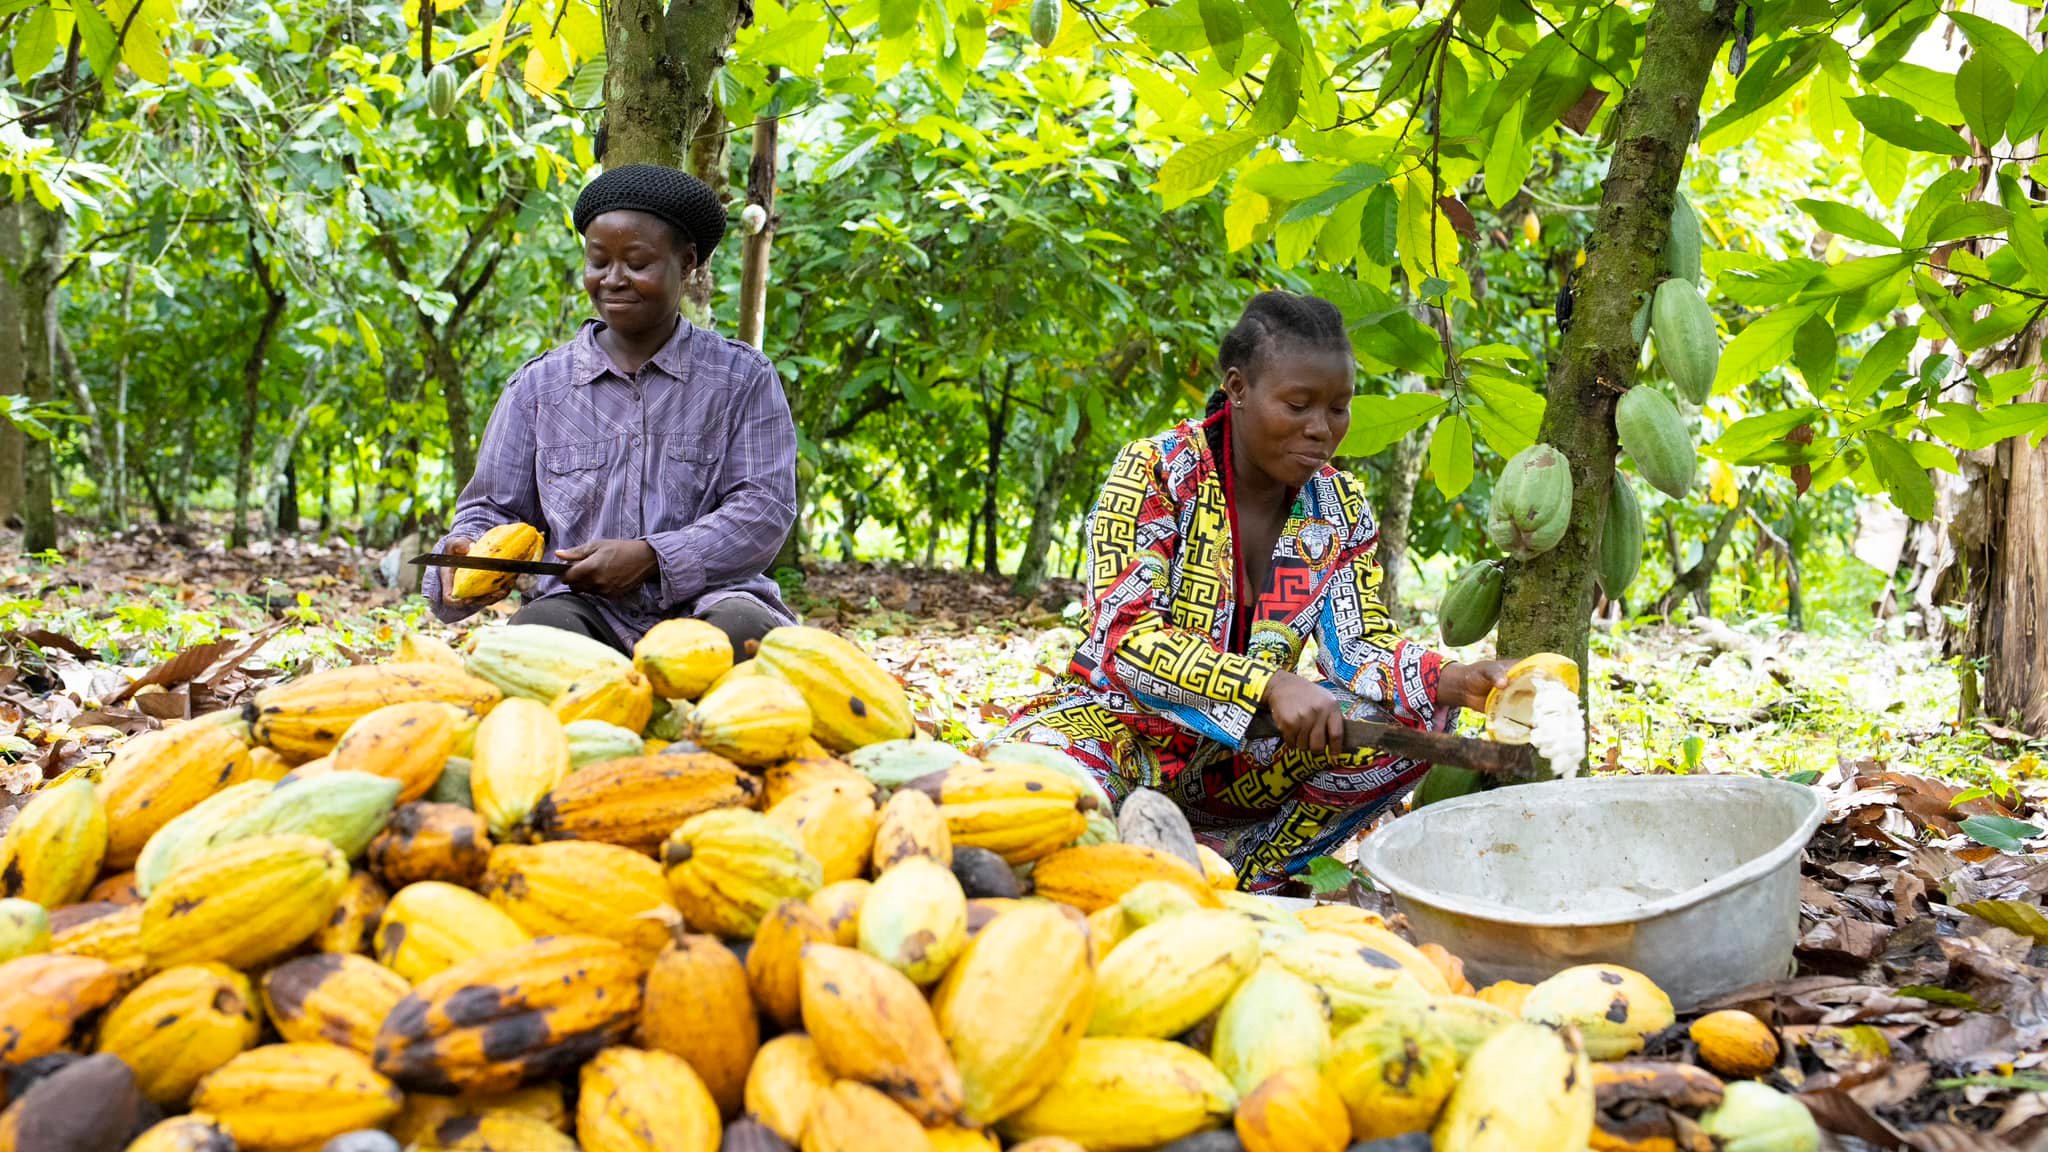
{"x":1217,"y":551}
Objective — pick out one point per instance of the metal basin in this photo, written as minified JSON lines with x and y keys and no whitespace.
{"x":1691,"y":880}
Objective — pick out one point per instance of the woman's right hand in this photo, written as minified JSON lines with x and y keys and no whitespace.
{"x":1306,"y":713}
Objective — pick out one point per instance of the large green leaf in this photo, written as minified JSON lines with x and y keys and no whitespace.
{"x":2030,"y":102}
{"x":1380,"y":226}
{"x":1844,"y":220}
{"x":1986,"y":92}
{"x":1764,"y":344}
{"x":1885,"y":357}
{"x":1508,"y":158}
{"x":1903,"y":477}
{"x":1509,"y":413}
{"x":1177,"y":28}
{"x":1970,"y":429}
{"x":1932,"y":93}
{"x":1751,"y":439}
{"x":1278,"y":96}
{"x":1223,"y":22}
{"x":1896,"y":121}
{"x":1199,"y":163}
{"x":1997,"y":41}
{"x":1450,"y":456}
{"x":1377,"y":422}
{"x":2024,"y":229}
{"x":1353,"y":181}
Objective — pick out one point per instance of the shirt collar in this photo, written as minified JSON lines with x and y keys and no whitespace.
{"x":672,"y":358}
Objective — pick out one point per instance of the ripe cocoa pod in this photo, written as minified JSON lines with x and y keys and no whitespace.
{"x":910,"y":825}
{"x":1532,"y":502}
{"x":514,"y":541}
{"x":535,"y":661}
{"x":1471,"y":605}
{"x":1394,"y":1069}
{"x":835,"y":823}
{"x":570,"y":888}
{"x":636,"y":803}
{"x":157,"y":775}
{"x":52,"y":852}
{"x":1615,"y":1009}
{"x":179,"y":1025}
{"x":49,"y":1003}
{"x":784,"y":1080}
{"x":351,"y":926}
{"x":424,"y":1113}
{"x":682,"y":658}
{"x":427,"y":841}
{"x":24,"y":929}
{"x":1653,"y":434}
{"x":1274,"y":1021}
{"x":729,"y":867}
{"x":332,"y":997}
{"x":636,"y":1101}
{"x":786,"y":779}
{"x":1526,"y":1089}
{"x":756,"y":721}
{"x":915,"y":919}
{"x":430,"y":927}
{"x":1013,"y":1007}
{"x":104,"y":931}
{"x":189,"y":1133}
{"x":520,"y":754}
{"x":697,"y":1006}
{"x":1121,"y":1094}
{"x":1097,"y":875}
{"x":871,"y":1024}
{"x":839,"y":906}
{"x":853,"y":1117}
{"x":304,"y":718}
{"x":618,"y":696}
{"x":287,"y":1096}
{"x":775,"y":960}
{"x":1735,"y":1044}
{"x":409,"y":743}
{"x":1165,"y":977}
{"x":244,"y":904}
{"x":187,"y":836}
{"x":1293,"y":1110}
{"x":852,"y":701}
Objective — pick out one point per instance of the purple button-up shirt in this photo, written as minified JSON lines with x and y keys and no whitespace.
{"x":695,"y":453}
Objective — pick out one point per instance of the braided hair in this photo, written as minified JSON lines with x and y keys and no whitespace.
{"x":1274,"y":320}
{"x":686,"y":204}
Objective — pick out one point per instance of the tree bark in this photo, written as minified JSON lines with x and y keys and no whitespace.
{"x":1060,"y":473}
{"x":46,"y":237}
{"x":1397,"y":512}
{"x":288,"y":498}
{"x":711,"y":162}
{"x":1795,"y":591}
{"x":1549,"y":600}
{"x":96,"y":451}
{"x":660,"y":60}
{"x":1698,"y":580}
{"x":252,"y":391}
{"x":754,"y":249}
{"x":998,"y":422}
{"x":12,"y":359}
{"x":119,"y":428}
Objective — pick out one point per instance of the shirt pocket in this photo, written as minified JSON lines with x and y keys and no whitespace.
{"x":572,"y":486}
{"x":690,"y":467}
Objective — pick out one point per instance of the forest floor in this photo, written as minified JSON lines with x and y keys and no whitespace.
{"x":1918,"y":1018}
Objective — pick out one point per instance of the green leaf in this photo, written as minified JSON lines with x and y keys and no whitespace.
{"x":1771,"y":77}
{"x":898,"y":18}
{"x":1380,"y":226}
{"x":1986,"y":92}
{"x":2030,"y":103}
{"x":1278,"y":96}
{"x":1970,"y":428}
{"x":1328,"y":876}
{"x":102,"y":44}
{"x":1844,"y":220}
{"x":2023,"y":229}
{"x":1377,"y":422}
{"x":1352,"y":182}
{"x":1969,"y":218}
{"x":1896,"y":122}
{"x":1855,"y":275}
{"x":372,"y":348}
{"x":2000,"y":832}
{"x":2012,"y":915}
{"x":1450,"y":456}
{"x":1944,"y":191}
{"x":1277,"y":16}
{"x":1174,"y":29}
{"x":1291,"y":180}
{"x":1766,"y":343}
{"x":1815,"y":352}
{"x":1223,"y":23}
{"x":35,"y":43}
{"x":1931,"y":93}
{"x":1884,"y":358}
{"x":1188,"y":172}
{"x":1748,"y":440}
{"x":1509,"y":413}
{"x":1997,"y":41}
{"x":1902,"y":476}
{"x":1808,"y":777}
{"x":1942,"y":996}
{"x":1508,"y":158}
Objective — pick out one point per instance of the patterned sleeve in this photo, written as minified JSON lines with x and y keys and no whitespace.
{"x":1133,"y":536}
{"x":1358,"y":646}
{"x":502,"y":490}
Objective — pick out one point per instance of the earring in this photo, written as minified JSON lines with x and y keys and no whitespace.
{"x":1237,"y":403}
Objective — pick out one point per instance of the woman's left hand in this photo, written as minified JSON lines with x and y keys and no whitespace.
{"x":609,"y":568}
{"x":1467,"y":685}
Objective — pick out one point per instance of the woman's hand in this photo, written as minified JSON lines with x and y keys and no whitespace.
{"x":1467,"y":685}
{"x":1306,"y":713}
{"x":460,"y":546}
{"x":609,"y":568}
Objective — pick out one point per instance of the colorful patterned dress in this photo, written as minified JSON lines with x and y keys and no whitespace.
{"x":1161,"y":692}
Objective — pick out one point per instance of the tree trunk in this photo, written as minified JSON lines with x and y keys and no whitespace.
{"x":1059,"y":475}
{"x":660,"y":61}
{"x":1698,"y":580}
{"x":1795,"y":592}
{"x":47,"y":236}
{"x":252,"y":393}
{"x":448,"y":373}
{"x":288,"y":499}
{"x":158,"y":503}
{"x":998,"y":428}
{"x":279,"y":472}
{"x":754,"y":249}
{"x":120,"y":421}
{"x":1397,"y":512}
{"x":12,"y":356}
{"x":96,"y":452}
{"x":1549,"y":601}
{"x":710,"y":160}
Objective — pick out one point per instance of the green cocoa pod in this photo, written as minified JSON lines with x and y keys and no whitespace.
{"x":188,"y":834}
{"x":1532,"y":502}
{"x":1471,"y":605}
{"x":1045,"y":21}
{"x":441,"y":86}
{"x":24,"y":929}
{"x":1756,"y":1118}
{"x":1621,"y":539}
{"x":594,"y":742}
{"x":1687,"y":343}
{"x":346,"y":809}
{"x":453,"y":786}
{"x":1444,"y":782}
{"x":1682,"y":250}
{"x":1654,"y":435}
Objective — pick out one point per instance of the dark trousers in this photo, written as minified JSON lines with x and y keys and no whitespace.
{"x":743,"y":619}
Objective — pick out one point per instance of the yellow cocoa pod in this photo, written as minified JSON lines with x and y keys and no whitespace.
{"x":431,"y":927}
{"x":681,"y":658}
{"x":24,"y":929}
{"x":618,"y":696}
{"x":915,"y":919}
{"x":444,"y":842}
{"x":494,"y":1131}
{"x":1047,"y":1144}
{"x":1293,"y":1110}
{"x":504,"y":542}
{"x":245,"y":904}
{"x":350,"y":928}
{"x":953,"y":1138}
{"x":782,"y":1083}
{"x":1735,"y":1044}
{"x":266,"y":764}
{"x":1615,"y":1009}
{"x":1528,"y":1088}
{"x":520,"y":754}
{"x":110,"y":932}
{"x":839,"y":906}
{"x":1356,"y":979}
{"x":852,"y":1117}
{"x":853,"y":702}
{"x":755,"y":721}
{"x":1165,"y":977}
{"x":1215,"y":869}
{"x":420,"y":648}
{"x":572,"y":888}
{"x":792,"y":776}
{"x":1466,"y":1022}
{"x":290,"y":1096}
{"x":510,"y":1017}
{"x":636,"y":802}
{"x":424,"y":1112}
{"x":1507,"y":994}
{"x":1124,"y":1094}
{"x":871,"y":1024}
{"x":409,"y":743}
{"x":636,"y":1101}
{"x":52,"y":852}
{"x":1095,"y":875}
{"x":836,"y":825}
{"x":190,"y":1133}
{"x":179,"y":1025}
{"x":1274,"y":1021}
{"x":697,"y":1007}
{"x":49,"y":1003}
{"x":332,"y":997}
{"x":303,"y":719}
{"x":158,"y":775}
{"x":116,"y":888}
{"x":729,"y":867}
{"x":1394,"y":1070}
{"x":911,"y":826}
{"x":535,"y":661}
{"x":1013,"y":1008}
{"x":1388,"y":949}
{"x":1107,"y":926}
{"x":775,"y":960}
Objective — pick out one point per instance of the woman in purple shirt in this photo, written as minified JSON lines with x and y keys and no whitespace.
{"x":658,"y":458}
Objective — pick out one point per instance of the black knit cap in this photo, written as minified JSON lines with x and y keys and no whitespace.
{"x":677,"y":197}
